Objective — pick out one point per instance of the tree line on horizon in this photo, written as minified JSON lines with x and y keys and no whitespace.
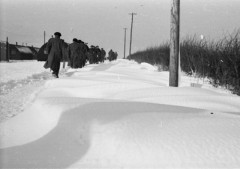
{"x":219,"y":61}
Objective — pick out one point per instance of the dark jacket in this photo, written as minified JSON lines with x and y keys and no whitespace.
{"x":75,"y":54}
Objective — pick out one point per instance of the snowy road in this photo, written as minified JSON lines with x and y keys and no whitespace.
{"x":123,"y":115}
{"x":19,"y":82}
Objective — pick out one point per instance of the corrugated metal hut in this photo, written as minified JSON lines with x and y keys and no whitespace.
{"x":34,"y":51}
{"x":40,"y":55}
{"x":17,"y":52}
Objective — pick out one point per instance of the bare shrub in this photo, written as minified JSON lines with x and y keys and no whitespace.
{"x":217,"y":60}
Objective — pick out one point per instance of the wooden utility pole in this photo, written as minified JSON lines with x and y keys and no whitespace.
{"x":125,"y":29}
{"x":7,"y":50}
{"x":174,"y":64}
{"x":44,"y":37}
{"x":131,"y":34}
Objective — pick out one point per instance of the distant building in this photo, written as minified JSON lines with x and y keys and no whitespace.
{"x":3,"y":55}
{"x":18,"y":52}
{"x":40,"y":55}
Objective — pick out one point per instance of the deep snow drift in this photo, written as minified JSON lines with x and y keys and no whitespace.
{"x":123,"y":115}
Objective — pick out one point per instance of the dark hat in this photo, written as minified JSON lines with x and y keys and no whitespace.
{"x":58,"y":34}
{"x":80,"y":41}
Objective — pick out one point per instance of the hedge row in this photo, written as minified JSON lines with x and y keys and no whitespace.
{"x":217,"y":60}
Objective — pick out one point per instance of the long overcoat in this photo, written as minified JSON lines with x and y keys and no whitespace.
{"x":75,"y":55}
{"x":55,"y":50}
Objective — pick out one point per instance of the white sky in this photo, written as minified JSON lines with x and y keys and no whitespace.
{"x":101,"y":22}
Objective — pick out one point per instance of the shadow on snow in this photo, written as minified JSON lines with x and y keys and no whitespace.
{"x":69,"y":141}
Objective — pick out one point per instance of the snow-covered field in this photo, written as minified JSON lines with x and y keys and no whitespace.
{"x":116,"y":115}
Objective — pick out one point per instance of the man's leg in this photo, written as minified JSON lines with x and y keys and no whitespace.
{"x":56,"y":66}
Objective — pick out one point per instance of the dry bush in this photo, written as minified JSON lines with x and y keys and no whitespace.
{"x":217,"y":60}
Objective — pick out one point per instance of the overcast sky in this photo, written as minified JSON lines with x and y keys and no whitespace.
{"x":101,"y":22}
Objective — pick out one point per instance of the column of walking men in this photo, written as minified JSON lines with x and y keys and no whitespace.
{"x":78,"y":53}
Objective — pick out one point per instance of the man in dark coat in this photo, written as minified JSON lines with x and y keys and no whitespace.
{"x":76,"y":54}
{"x":84,"y":50}
{"x":110,"y":55}
{"x":55,"y":51}
{"x":91,"y":54}
{"x":103,"y":54}
{"x":98,"y":54}
{"x":73,"y":52}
